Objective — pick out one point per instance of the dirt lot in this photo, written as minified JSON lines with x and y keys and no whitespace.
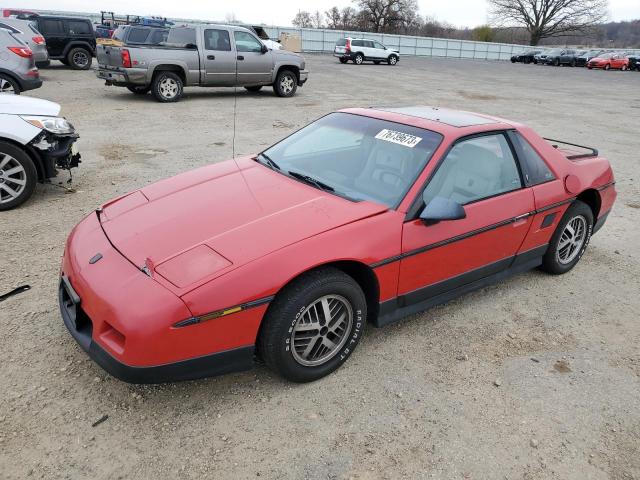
{"x":535,"y":378}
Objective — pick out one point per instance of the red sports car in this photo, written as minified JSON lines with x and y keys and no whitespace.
{"x":363,"y":216}
{"x":607,"y":61}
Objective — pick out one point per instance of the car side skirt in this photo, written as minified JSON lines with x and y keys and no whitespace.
{"x":436,"y":294}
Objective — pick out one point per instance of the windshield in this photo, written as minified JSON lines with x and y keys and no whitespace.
{"x":357,"y":157}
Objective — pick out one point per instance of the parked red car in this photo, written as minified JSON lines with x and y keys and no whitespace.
{"x":607,"y":61}
{"x":365,"y":215}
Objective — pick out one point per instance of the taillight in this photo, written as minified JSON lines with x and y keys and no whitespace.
{"x":22,"y":51}
{"x":126,"y":58}
{"x":347,"y":46}
{"x":39,"y":40}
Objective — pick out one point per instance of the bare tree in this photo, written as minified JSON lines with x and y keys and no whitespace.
{"x":302,"y":20}
{"x":316,"y":20}
{"x":334,"y":19}
{"x":382,"y":15}
{"x":348,"y":18}
{"x":549,"y":18}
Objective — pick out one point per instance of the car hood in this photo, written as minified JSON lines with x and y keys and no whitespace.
{"x":199,"y":225}
{"x":22,"y":105}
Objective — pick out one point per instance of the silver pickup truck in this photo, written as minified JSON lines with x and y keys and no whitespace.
{"x":200,"y":55}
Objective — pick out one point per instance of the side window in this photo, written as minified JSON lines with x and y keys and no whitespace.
{"x":50,"y":26}
{"x":535,"y":170}
{"x":378,"y":45}
{"x":474,"y":169}
{"x":245,"y":42}
{"x":217,"y":40}
{"x":78,"y":27}
{"x":182,"y":36}
{"x":368,"y":44}
{"x":357,"y":43}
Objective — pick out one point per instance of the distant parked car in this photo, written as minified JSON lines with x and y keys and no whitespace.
{"x":18,"y":70}
{"x":540,"y":58}
{"x":607,"y":61}
{"x":583,"y":59}
{"x":564,"y":56}
{"x":634,"y":62}
{"x":525,"y":57}
{"x":263,"y":36}
{"x":360,"y":50}
{"x":71,"y":40}
{"x":26,"y":31}
{"x":34,"y":143}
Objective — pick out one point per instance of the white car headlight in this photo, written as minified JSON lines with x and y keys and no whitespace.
{"x":56,"y":125}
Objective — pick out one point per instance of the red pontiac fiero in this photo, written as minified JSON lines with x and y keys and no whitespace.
{"x":363,"y":216}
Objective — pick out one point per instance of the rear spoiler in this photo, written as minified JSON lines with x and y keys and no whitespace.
{"x":592,"y":152}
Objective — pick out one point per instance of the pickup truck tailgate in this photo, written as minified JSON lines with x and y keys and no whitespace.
{"x":108,"y":56}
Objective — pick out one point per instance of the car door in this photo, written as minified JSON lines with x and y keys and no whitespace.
{"x":54,"y":34}
{"x":219,"y":58}
{"x":254,"y":66}
{"x":480,"y":173}
{"x":379,"y":51}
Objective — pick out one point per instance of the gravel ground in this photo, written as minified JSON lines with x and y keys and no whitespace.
{"x":534,"y":378}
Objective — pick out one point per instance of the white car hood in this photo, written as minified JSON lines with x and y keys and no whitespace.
{"x":20,"y":105}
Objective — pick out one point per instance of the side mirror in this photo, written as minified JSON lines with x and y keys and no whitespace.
{"x":264,"y":49}
{"x":440,"y":208}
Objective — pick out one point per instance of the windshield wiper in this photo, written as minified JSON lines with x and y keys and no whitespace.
{"x":312,"y":181}
{"x":268,"y":161}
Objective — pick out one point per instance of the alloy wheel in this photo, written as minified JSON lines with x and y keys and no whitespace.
{"x":13,"y":178}
{"x":168,"y":88}
{"x":393,"y":60}
{"x":286,"y":84}
{"x":571,"y":240}
{"x":80,"y":59}
{"x":6,"y":86}
{"x":321,"y":330}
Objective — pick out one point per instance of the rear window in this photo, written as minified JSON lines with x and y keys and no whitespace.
{"x":342,"y":42}
{"x":138,"y":35}
{"x":34,"y":28}
{"x":182,"y":36}
{"x":9,"y":27}
{"x":358,"y":43}
{"x":79,"y":27}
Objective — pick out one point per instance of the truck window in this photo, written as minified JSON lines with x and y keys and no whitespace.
{"x":138,"y":35}
{"x":50,"y":26}
{"x":245,"y":42}
{"x":217,"y":40}
{"x":182,"y":36}
{"x":79,"y":27}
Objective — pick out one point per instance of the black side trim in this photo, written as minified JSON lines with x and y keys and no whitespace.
{"x":548,"y":220}
{"x":442,"y":292}
{"x":605,"y":186}
{"x":600,"y":222}
{"x":555,"y":205}
{"x":226,"y":311}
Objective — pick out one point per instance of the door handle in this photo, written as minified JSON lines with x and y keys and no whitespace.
{"x":240,"y":57}
{"x":211,"y":57}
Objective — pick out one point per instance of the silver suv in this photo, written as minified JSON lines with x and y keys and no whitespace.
{"x":360,"y":50}
{"x":18,"y":70}
{"x":26,"y":31}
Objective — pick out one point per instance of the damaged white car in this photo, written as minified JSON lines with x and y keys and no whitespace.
{"x":35,"y":143}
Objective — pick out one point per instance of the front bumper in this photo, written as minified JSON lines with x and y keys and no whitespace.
{"x":55,"y":151}
{"x":124,"y":319}
{"x":303,"y":77}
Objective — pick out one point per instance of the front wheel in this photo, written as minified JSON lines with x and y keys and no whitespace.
{"x":286,"y":84}
{"x":624,"y":68}
{"x":392,"y":60}
{"x":139,"y":89}
{"x":8,"y":85}
{"x":18,"y":176}
{"x":607,"y":67}
{"x":570,"y":239}
{"x":313,"y":325}
{"x":167,"y":87}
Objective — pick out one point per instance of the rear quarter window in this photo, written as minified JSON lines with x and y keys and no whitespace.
{"x":358,"y":43}
{"x":79,"y":27}
{"x":535,"y":169}
{"x":138,"y":35}
{"x":342,"y":42}
{"x":182,"y":36}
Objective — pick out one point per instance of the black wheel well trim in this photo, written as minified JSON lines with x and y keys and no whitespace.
{"x":293,"y":68}
{"x":168,"y":67}
{"x":78,"y":44}
{"x":591,"y":197}
{"x":32,"y":154}
{"x":12,"y":76}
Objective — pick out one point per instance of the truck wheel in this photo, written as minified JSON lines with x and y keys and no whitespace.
{"x":254,"y":88}
{"x":8,"y":85}
{"x":18,"y":176}
{"x":167,"y":87}
{"x":79,"y":59}
{"x":286,"y":84}
{"x":313,"y":325}
{"x":139,"y":89}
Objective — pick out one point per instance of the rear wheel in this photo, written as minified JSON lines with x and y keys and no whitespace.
{"x":570,"y":239}
{"x":167,"y":87}
{"x":313,"y":325}
{"x":8,"y":85}
{"x":254,"y":88}
{"x":573,"y":63}
{"x":556,"y":62}
{"x":607,"y":67}
{"x":358,"y":59}
{"x":139,"y":89}
{"x":79,"y":59}
{"x":18,"y":176}
{"x":343,"y":60}
{"x":624,"y":68}
{"x":392,"y":60}
{"x":286,"y":84}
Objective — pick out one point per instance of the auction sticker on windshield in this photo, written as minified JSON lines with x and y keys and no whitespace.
{"x":398,"y":137}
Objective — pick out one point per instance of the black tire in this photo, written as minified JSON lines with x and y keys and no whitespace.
{"x":527,"y":61}
{"x":358,"y":59}
{"x":513,"y":60}
{"x":392,"y":60}
{"x":167,"y":87}
{"x":277,"y":335}
{"x":79,"y":58}
{"x":607,"y":67}
{"x":8,"y":85}
{"x":28,"y":175}
{"x":286,"y":84}
{"x":556,"y":62}
{"x":139,"y":89}
{"x":551,"y":262}
{"x":343,"y":60}
{"x":254,"y":88}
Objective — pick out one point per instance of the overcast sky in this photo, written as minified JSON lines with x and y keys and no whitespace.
{"x":465,"y":13}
